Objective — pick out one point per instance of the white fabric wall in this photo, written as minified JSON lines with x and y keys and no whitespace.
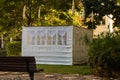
{"x":49,"y":45}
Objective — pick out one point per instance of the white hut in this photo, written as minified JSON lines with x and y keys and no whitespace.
{"x":63,"y":45}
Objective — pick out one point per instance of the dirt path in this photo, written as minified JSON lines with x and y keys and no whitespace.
{"x":44,"y":76}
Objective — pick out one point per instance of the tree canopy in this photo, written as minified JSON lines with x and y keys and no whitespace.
{"x":96,"y":9}
{"x":17,"y":13}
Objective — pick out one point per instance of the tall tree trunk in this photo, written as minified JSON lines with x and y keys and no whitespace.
{"x":28,"y":15}
{"x":73,"y":6}
{"x":39,"y":10}
{"x":11,"y":39}
{"x":2,"y":41}
{"x":24,"y":12}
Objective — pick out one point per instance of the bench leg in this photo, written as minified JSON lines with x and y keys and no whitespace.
{"x":31,"y":75}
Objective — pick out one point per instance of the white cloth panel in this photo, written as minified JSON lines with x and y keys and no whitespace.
{"x":49,"y":45}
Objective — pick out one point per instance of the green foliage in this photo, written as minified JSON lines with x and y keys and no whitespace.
{"x":96,"y":9}
{"x":51,"y":13}
{"x":60,"y":18}
{"x":15,"y":14}
{"x":10,"y":14}
{"x":104,"y":55}
{"x":13,"y":48}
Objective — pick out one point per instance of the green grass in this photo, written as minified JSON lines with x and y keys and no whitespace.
{"x":65,"y":69}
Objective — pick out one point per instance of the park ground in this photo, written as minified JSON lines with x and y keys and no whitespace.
{"x":45,"y":76}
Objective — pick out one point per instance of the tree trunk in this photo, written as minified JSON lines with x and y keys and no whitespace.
{"x":11,"y":39}
{"x":2,"y":41}
{"x":73,"y":6}
{"x":39,"y":10}
{"x":24,"y":12}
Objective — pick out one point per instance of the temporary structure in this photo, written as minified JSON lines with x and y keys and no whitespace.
{"x":63,"y":45}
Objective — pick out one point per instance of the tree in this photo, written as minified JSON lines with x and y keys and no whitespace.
{"x":10,"y":19}
{"x":15,"y":14}
{"x":10,"y":14}
{"x":96,"y":9}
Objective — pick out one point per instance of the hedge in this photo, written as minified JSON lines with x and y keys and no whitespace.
{"x":13,"y":48}
{"x":104,"y":55}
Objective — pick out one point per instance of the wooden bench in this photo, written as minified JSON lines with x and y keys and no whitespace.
{"x":19,"y":64}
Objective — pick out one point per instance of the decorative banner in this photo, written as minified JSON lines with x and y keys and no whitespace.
{"x":52,"y":33}
{"x":31,"y":37}
{"x":46,"y":36}
{"x":62,"y":34}
{"x":41,"y":34}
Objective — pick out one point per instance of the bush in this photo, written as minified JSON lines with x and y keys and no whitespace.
{"x":3,"y":52}
{"x":104,"y":55}
{"x":13,"y":48}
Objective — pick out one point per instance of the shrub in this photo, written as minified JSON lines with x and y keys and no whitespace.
{"x":3,"y":52}
{"x":13,"y":48}
{"x":104,"y":55}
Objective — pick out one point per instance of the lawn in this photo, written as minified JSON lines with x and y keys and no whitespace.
{"x":65,"y":69}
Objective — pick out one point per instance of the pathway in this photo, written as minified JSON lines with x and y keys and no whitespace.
{"x":44,"y":76}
